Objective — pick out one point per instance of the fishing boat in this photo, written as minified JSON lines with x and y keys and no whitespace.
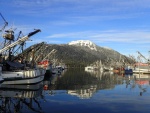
{"x":15,"y":72}
{"x":48,"y":65}
{"x":141,"y":68}
{"x":128,"y":70}
{"x":30,"y":76}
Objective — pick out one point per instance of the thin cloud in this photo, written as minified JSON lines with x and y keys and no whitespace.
{"x":78,"y":7}
{"x":62,"y":23}
{"x":134,"y":36}
{"x":70,"y":35}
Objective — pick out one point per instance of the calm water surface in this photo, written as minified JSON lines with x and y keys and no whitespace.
{"x":77,"y":91}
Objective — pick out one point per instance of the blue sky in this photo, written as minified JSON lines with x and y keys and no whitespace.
{"x":123,"y":25}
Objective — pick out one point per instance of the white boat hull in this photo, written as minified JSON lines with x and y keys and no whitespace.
{"x":23,"y":76}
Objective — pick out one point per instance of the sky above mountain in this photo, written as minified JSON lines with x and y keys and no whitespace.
{"x":123,"y":25}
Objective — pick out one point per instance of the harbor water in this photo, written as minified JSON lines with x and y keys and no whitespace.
{"x":77,"y":91}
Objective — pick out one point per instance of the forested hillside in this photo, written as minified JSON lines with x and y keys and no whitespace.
{"x":72,"y":55}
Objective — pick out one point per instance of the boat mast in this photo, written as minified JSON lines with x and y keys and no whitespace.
{"x":19,"y":41}
{"x":5,"y":24}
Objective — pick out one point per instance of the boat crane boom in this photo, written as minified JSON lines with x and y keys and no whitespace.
{"x":52,"y":52}
{"x":19,"y":41}
{"x":143,"y":56}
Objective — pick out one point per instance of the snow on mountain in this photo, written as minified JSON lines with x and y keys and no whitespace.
{"x":107,"y":48}
{"x":85,"y":43}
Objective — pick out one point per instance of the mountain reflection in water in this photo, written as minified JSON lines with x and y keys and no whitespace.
{"x":78,"y":91}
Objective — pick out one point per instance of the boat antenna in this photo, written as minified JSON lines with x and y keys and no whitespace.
{"x":6,"y":23}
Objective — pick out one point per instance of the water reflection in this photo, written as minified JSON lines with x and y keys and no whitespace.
{"x":142,"y":81}
{"x":85,"y":84}
{"x":137,"y":82}
{"x":75,"y":88}
{"x":17,"y":98}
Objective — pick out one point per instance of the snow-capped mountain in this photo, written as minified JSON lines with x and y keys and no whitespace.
{"x":85,"y":43}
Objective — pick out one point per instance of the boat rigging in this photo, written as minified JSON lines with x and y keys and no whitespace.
{"x":19,"y":41}
{"x":140,"y":55}
{"x":5,"y":22}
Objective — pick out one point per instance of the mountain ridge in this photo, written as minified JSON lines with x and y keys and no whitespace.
{"x":77,"y":55}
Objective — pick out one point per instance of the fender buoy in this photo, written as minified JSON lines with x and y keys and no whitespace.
{"x":45,"y":87}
